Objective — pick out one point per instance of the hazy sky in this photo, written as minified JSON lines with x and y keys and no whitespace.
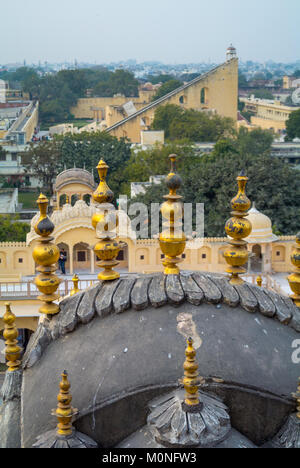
{"x":172,"y":31}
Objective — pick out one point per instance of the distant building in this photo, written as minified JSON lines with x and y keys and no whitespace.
{"x":290,"y":82}
{"x":21,"y":120}
{"x":268,"y":114}
{"x":212,"y":92}
{"x":139,"y":188}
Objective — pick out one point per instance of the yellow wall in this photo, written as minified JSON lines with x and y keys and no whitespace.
{"x":268,"y":124}
{"x":268,"y":115}
{"x":15,"y":260}
{"x":90,"y":108}
{"x":221,"y":96}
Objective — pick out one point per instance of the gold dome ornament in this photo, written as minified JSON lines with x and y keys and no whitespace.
{"x":238,"y":228}
{"x":259,"y":281}
{"x":64,"y":411}
{"x":10,"y":334}
{"x":172,"y":240}
{"x":46,"y":254}
{"x":105,"y":221}
{"x":75,"y":289}
{"x":65,"y":435}
{"x":294,"y":278}
{"x":191,"y":378}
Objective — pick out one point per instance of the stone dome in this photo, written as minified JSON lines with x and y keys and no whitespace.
{"x":74,"y":176}
{"x":261,"y":227}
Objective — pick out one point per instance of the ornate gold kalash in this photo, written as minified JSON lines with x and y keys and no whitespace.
{"x":238,"y":228}
{"x":46,"y":255}
{"x":75,"y":289}
{"x":191,"y":378}
{"x":64,"y":411}
{"x":103,"y":220}
{"x":294,"y":278}
{"x":297,"y":398}
{"x":10,"y":333}
{"x":172,"y":240}
{"x":259,"y":281}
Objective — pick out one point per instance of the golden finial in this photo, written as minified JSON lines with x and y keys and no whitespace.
{"x":67,"y":199}
{"x":259,"y":281}
{"x":105,"y":219}
{"x":64,"y":411}
{"x":172,"y":240}
{"x":46,"y":254}
{"x":191,"y":378}
{"x":75,"y":289}
{"x":10,"y":333}
{"x":294,"y":278}
{"x":238,"y":228}
{"x":297,"y":398}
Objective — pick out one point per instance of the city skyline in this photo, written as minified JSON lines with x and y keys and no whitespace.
{"x":158,"y":31}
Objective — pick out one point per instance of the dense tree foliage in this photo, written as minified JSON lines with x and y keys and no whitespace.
{"x":13,"y":230}
{"x":273,"y":185}
{"x":162,"y":78}
{"x":262,"y":94}
{"x":243,"y":83}
{"x":166,"y":88}
{"x":293,"y":125}
{"x":49,"y":158}
{"x":179,"y":123}
{"x":121,"y":81}
{"x":58,"y":92}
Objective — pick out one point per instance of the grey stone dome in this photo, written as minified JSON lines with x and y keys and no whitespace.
{"x":74,"y":176}
{"x":123,"y":344}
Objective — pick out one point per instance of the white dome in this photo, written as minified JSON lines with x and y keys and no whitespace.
{"x":261,"y":227}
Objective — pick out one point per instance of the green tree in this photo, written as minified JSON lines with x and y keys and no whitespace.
{"x":243,"y":83}
{"x":12,"y":230}
{"x":293,"y":125}
{"x":164,"y":116}
{"x":262,"y":94}
{"x":160,"y":78}
{"x":166,"y":88}
{"x":192,"y":125}
{"x":273,"y":185}
{"x":43,"y":160}
{"x":121,"y":81}
{"x":296,"y":74}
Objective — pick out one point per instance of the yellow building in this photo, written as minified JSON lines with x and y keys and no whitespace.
{"x":269,"y":115}
{"x":73,"y":211}
{"x":72,"y":215}
{"x":215,"y":91}
{"x":97,"y":108}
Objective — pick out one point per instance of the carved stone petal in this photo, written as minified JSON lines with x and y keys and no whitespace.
{"x":139,"y":293}
{"x":265,"y":303}
{"x":211,"y":292}
{"x":121,"y":298}
{"x":283,"y":313}
{"x":86,"y":309}
{"x":104,"y":300}
{"x":230,"y":295}
{"x":247,"y":298}
{"x":174,"y":289}
{"x":196,"y":423}
{"x":68,"y":313}
{"x":157,"y":294}
{"x":193,"y":293}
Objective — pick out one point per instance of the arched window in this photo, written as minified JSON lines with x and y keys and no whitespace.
{"x":203,"y":96}
{"x":181,"y":99}
{"x":74,"y":199}
{"x":87,"y":198}
{"x":62,"y":200}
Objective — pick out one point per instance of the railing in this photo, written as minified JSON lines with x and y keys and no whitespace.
{"x":29,"y":290}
